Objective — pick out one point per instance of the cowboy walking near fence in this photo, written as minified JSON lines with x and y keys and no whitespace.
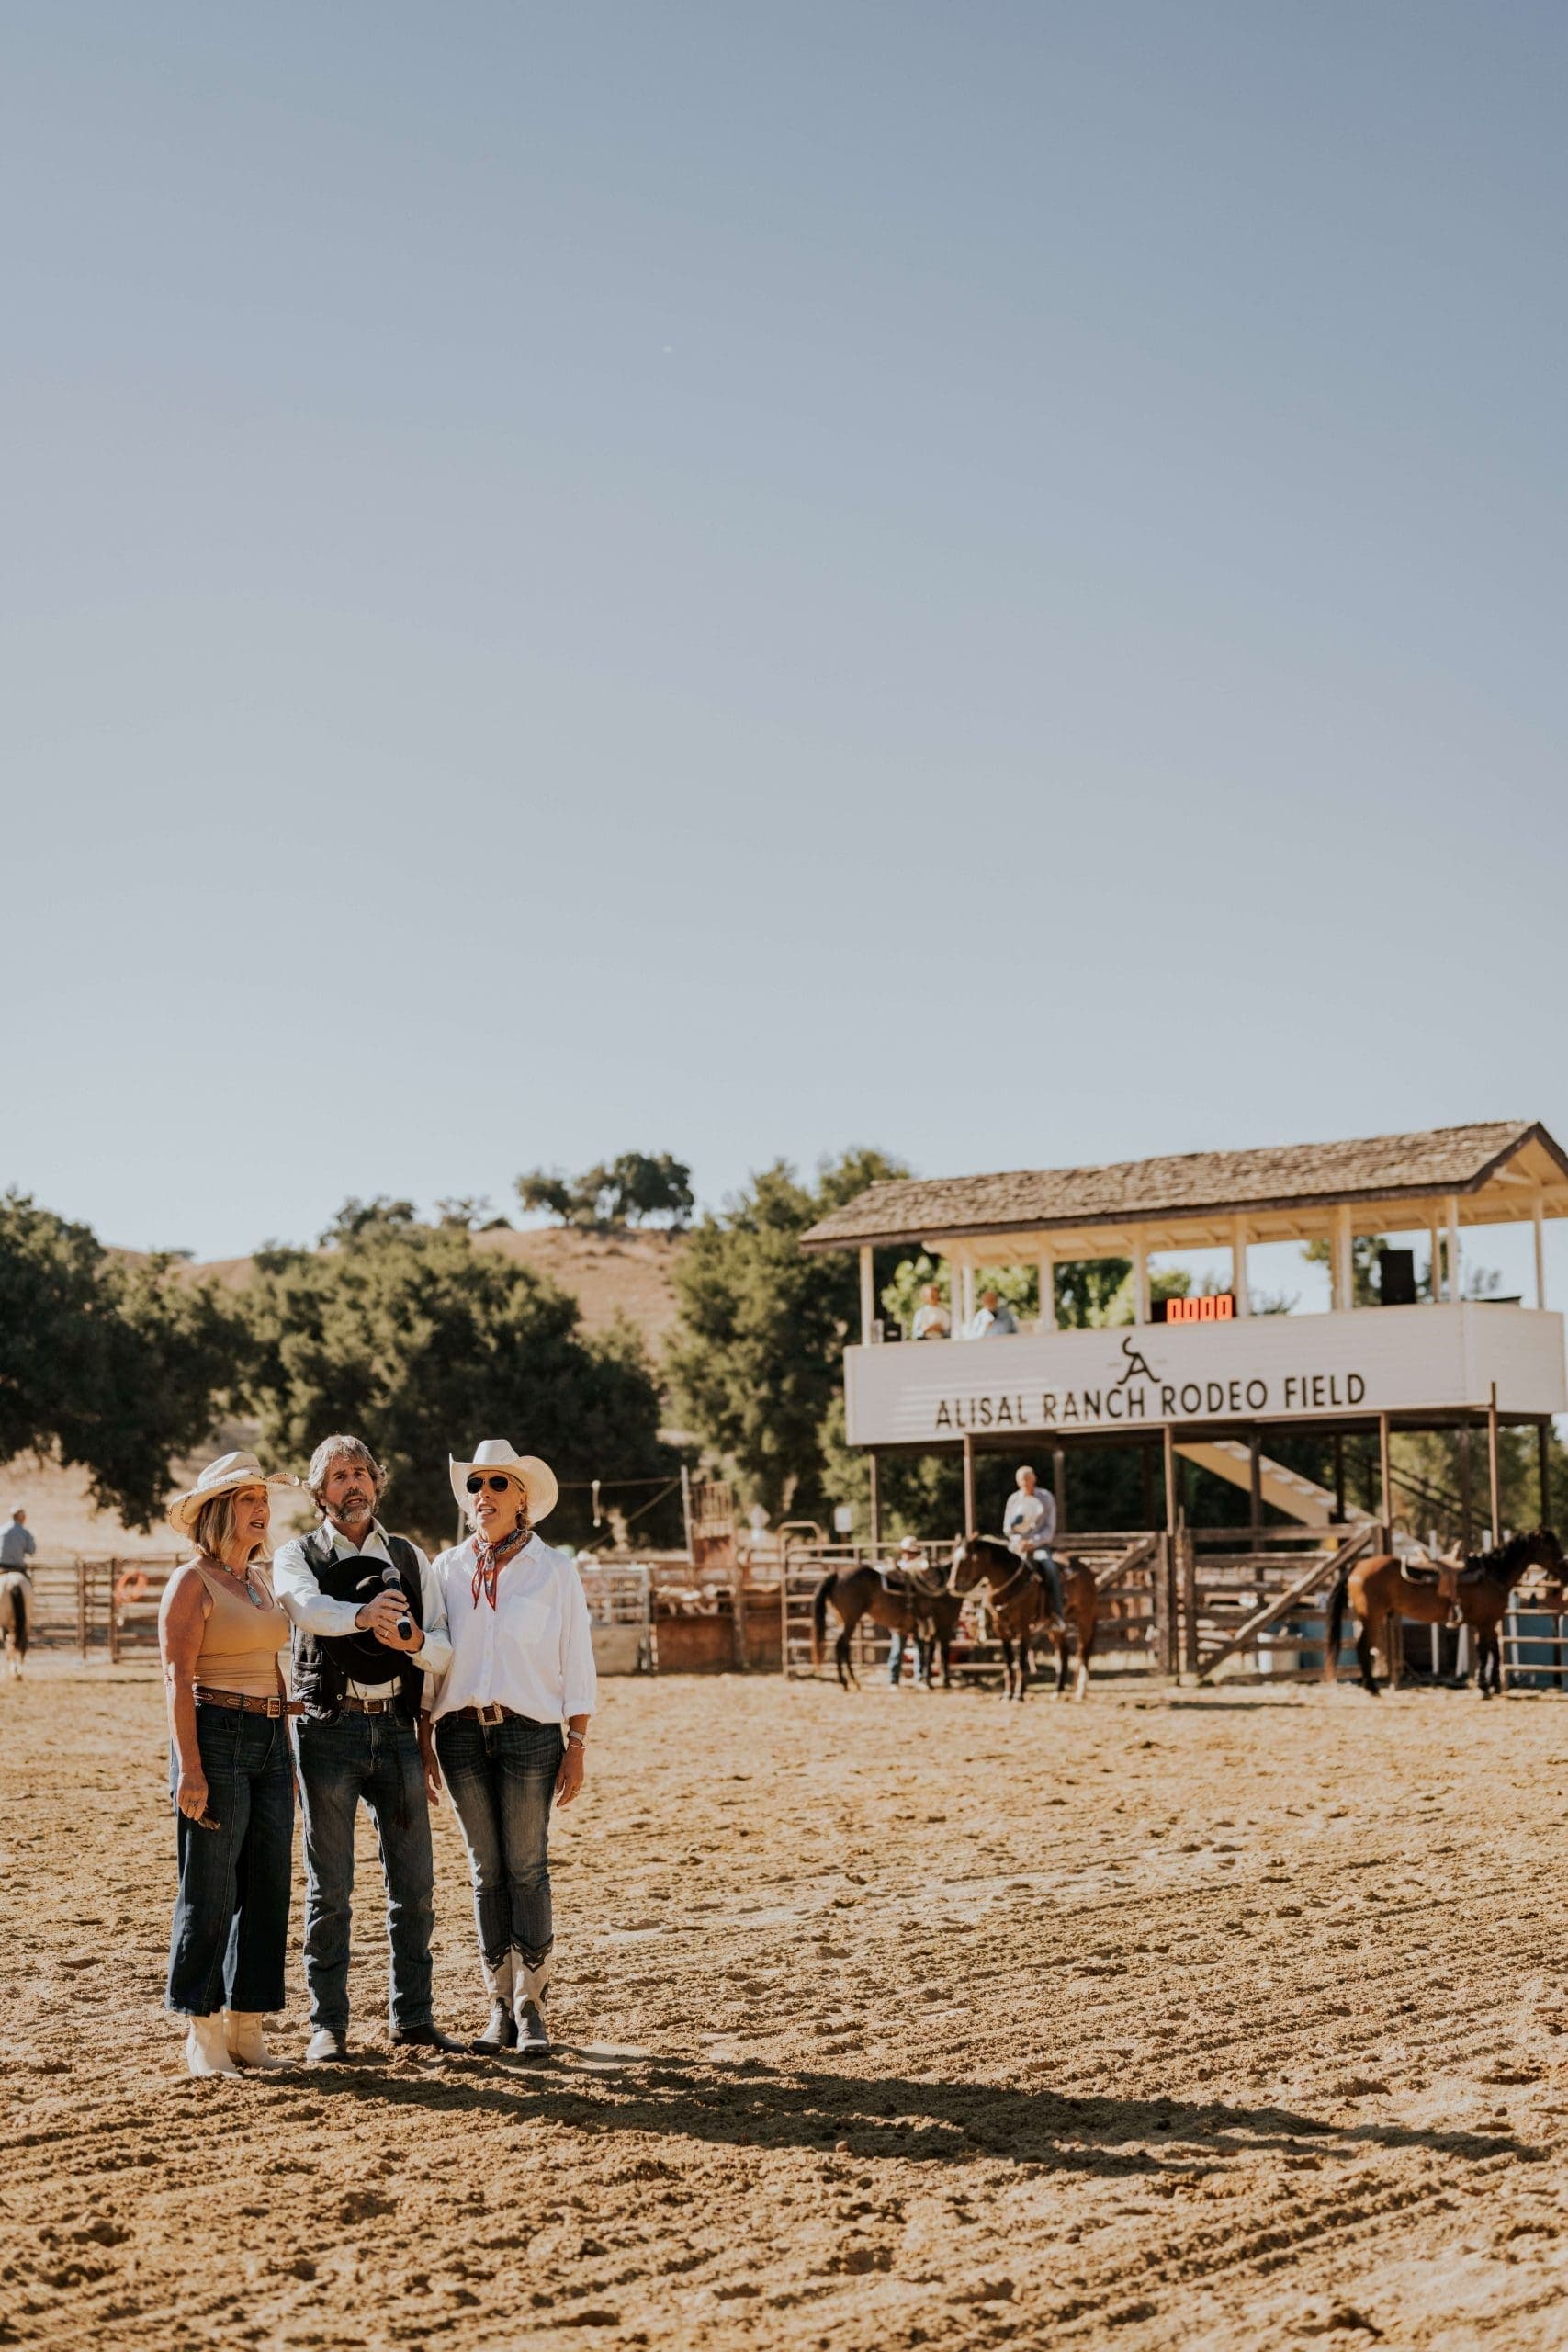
{"x":369,"y":1623}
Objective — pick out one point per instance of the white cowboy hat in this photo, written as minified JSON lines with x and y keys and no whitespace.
{"x":536,"y":1478}
{"x":221,"y":1477}
{"x":910,"y":1544}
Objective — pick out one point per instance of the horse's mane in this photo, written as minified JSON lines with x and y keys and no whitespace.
{"x":1506,"y":1563}
{"x":997,"y":1543}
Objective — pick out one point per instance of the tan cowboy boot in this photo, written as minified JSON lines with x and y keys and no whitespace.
{"x":207,"y":2051}
{"x":246,"y":2041}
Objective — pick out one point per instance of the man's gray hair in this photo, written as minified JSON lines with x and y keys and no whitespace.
{"x":329,"y":1451}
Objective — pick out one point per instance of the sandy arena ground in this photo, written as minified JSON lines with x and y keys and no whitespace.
{"x":1180,"y":2019}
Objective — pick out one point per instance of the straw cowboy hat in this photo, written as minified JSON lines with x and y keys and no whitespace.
{"x":221,"y":1477}
{"x":536,"y":1478}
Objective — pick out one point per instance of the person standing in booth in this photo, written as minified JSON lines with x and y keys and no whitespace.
{"x":512,"y":1722}
{"x":370,"y":1625}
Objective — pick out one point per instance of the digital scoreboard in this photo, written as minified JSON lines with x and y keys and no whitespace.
{"x":1218,"y":1307}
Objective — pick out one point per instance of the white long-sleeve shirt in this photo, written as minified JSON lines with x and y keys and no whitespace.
{"x":314,"y":1612}
{"x":533,"y":1652}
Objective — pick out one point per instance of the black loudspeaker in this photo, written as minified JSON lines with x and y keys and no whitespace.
{"x":1396,"y":1277}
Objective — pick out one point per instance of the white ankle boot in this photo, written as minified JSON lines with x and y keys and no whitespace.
{"x":245,"y":2041}
{"x":206,"y":2052}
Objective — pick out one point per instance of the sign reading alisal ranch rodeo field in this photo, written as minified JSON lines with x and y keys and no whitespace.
{"x":1262,"y":1367}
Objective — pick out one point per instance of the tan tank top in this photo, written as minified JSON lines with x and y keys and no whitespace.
{"x":239,"y":1643}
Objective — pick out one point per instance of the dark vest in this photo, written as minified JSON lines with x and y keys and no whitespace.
{"x":324,"y":1664}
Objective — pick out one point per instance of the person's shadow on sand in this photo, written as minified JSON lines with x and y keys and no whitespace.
{"x":750,"y":2105}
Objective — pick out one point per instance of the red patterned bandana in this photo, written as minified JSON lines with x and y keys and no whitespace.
{"x":488,"y":1564}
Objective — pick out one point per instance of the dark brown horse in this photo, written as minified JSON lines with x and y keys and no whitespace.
{"x":1020,"y":1601}
{"x":894,"y":1601}
{"x":1379,"y":1588}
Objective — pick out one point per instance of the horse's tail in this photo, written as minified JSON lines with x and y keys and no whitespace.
{"x":1336,"y":1603}
{"x":819,"y":1616}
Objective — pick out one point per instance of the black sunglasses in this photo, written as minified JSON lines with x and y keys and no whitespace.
{"x":496,"y":1485}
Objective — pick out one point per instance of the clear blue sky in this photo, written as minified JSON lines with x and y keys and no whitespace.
{"x":983,"y":579}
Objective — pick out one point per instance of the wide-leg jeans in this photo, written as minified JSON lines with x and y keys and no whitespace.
{"x":503,"y":1779}
{"x":230,"y":1938}
{"x":375,"y":1757}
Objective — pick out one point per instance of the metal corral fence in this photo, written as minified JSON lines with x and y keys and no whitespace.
{"x":100,"y":1606}
{"x":620,"y":1606}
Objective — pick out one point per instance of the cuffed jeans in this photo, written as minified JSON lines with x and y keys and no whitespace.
{"x":230,"y":1936}
{"x":376,"y":1757}
{"x":503,"y":1779}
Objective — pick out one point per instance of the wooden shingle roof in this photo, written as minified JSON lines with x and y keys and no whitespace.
{"x":1195,"y":1186}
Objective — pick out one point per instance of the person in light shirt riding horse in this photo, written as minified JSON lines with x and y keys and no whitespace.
{"x":511,"y":1720}
{"x":1029,"y":1523}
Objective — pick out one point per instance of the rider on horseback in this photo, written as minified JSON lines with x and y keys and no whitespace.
{"x":1029,"y":1523}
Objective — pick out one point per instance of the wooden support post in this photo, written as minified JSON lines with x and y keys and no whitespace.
{"x":1494,"y":1468}
{"x":1047,"y":1291}
{"x":1385,"y":1473}
{"x":1455,"y":1287}
{"x":1187,"y":1553}
{"x":1344,"y":1262}
{"x":1339,"y":1476}
{"x":1238,"y":1266}
{"x":1255,"y":1465}
{"x":1436,"y":1279}
{"x":1543,"y":1471}
{"x":1059,"y":1486}
{"x":968,"y":1484}
{"x":867,"y":1293}
{"x":81,"y":1602}
{"x":875,"y":1503}
{"x":1540,"y":1254}
{"x":1170,"y":1480}
{"x":1140,"y":1279}
{"x":114,"y":1612}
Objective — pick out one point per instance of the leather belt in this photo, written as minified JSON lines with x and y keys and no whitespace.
{"x":352,"y":1706}
{"x":494,"y":1713}
{"x":248,"y":1702}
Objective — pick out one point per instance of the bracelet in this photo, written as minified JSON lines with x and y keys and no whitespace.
{"x":577,"y":1739}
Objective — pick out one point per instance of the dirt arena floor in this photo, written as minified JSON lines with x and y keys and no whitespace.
{"x":1225,"y":2020}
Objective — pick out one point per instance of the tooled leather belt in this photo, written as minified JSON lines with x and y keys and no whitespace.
{"x":248,"y":1702}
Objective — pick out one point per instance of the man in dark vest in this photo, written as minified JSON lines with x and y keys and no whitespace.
{"x":369,"y":1623}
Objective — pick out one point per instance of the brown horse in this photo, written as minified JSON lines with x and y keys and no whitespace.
{"x":1020,"y":1599}
{"x":930,"y":1617}
{"x":1379,"y":1588}
{"x":15,"y":1611}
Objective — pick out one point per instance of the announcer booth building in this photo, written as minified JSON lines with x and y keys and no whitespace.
{"x":1210,"y":1378}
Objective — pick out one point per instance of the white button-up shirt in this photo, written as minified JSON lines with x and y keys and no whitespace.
{"x":306,"y":1605}
{"x":533,"y":1652}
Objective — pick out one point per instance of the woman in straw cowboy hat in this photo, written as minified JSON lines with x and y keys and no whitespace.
{"x":512,"y":1722}
{"x":222,"y":1635}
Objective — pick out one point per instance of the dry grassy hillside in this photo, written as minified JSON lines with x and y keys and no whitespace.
{"x":630,"y":1274}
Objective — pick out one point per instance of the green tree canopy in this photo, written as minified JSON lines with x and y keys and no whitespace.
{"x":119,"y":1366}
{"x":763,"y":1327}
{"x":420,"y":1343}
{"x":638,"y":1188}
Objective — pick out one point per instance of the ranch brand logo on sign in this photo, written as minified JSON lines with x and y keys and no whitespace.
{"x":1247,"y":1368}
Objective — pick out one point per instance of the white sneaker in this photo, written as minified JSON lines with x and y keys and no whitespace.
{"x":247,"y":2045}
{"x":206,"y":2052}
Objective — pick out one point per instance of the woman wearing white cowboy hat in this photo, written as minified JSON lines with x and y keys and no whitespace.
{"x":511,"y":1721}
{"x":222,"y":1634}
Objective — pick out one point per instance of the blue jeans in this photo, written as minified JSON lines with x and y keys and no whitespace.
{"x":1052,"y":1574}
{"x":503,"y":1779}
{"x":231,"y":1930}
{"x":376,"y":1757}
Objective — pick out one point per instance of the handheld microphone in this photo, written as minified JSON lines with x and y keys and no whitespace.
{"x":390,"y":1576}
